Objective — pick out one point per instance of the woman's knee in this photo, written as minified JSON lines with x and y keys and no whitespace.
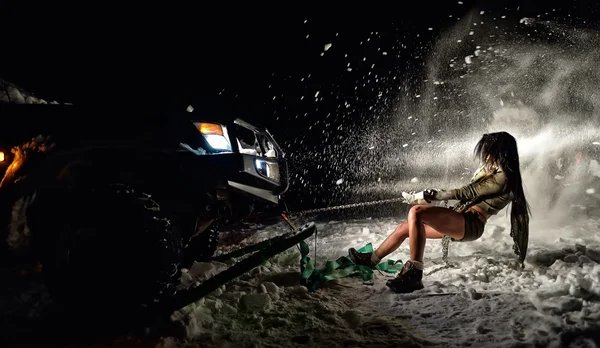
{"x":401,"y":230}
{"x":415,"y":211}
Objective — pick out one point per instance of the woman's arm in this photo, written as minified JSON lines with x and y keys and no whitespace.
{"x":492,"y":185}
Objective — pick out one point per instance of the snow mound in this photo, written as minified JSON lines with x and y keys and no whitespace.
{"x":269,"y":306}
{"x":484,"y":299}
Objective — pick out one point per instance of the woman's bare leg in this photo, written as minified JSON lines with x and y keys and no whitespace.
{"x":435,"y":221}
{"x":442,"y":220}
{"x":422,"y":219}
{"x":396,"y":238}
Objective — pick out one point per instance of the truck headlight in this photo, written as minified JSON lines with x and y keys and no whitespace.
{"x":214,"y":134}
{"x":268,"y":169}
{"x":217,"y":142}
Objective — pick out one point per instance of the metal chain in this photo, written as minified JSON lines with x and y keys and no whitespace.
{"x":445,"y":245}
{"x":445,"y":240}
{"x":348,"y":206}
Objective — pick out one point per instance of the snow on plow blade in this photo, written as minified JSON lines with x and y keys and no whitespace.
{"x":262,"y":252}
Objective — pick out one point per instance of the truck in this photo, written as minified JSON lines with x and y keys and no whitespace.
{"x":113,"y":201}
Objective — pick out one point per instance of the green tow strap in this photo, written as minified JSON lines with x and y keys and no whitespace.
{"x":314,"y":278}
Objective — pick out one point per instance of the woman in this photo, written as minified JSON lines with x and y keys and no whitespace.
{"x":496,"y":184}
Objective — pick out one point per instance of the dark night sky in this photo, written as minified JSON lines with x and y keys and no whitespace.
{"x":70,"y":52}
{"x":60,"y":51}
{"x":76,"y":53}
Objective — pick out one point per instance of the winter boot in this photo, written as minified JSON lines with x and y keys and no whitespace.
{"x":363,"y":259}
{"x":408,"y":280}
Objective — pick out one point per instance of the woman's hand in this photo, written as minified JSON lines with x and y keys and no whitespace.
{"x":429,"y":195}
{"x":422,"y":198}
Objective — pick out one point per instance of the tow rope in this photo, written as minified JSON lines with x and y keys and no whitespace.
{"x":314,"y":278}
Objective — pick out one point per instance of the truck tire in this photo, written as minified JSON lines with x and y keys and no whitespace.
{"x":203,"y":246}
{"x":107,"y":247}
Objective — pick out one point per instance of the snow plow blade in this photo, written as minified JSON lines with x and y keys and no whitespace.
{"x":262,"y":252}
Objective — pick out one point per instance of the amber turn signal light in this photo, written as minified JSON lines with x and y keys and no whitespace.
{"x":209,"y":128}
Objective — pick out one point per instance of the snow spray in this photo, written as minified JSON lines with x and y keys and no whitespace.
{"x":534,"y":78}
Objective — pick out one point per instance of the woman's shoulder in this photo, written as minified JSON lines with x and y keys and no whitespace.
{"x":499,"y":173}
{"x":479,"y":173}
{"x":500,"y":176}
{"x":484,"y":173}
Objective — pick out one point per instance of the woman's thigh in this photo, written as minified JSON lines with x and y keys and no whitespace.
{"x":441,"y":220}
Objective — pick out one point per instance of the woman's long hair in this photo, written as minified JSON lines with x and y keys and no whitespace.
{"x":502,"y":150}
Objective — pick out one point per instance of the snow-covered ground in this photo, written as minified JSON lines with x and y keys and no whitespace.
{"x":485,"y":300}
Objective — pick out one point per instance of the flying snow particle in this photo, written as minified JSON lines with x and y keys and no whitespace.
{"x":339,"y":182}
{"x":189,"y":108}
{"x":429,"y":28}
{"x":413,"y":180}
{"x":471,"y":32}
{"x":327,"y":47}
{"x":460,"y":2}
{"x":468,"y":59}
{"x":459,"y":41}
{"x":317,"y":94}
{"x":526,"y":21}
{"x":482,"y":12}
{"x":384,"y":53}
{"x":590,"y":191}
{"x":405,"y":145}
{"x":596,"y":143}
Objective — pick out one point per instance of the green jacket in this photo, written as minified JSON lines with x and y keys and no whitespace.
{"x":490,"y":193}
